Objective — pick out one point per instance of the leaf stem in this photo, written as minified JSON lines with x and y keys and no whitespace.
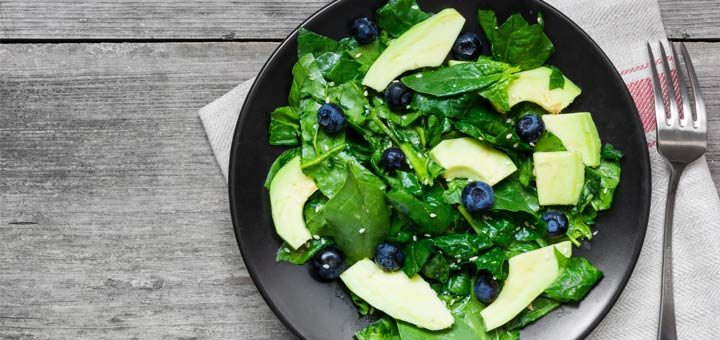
{"x":319,"y":159}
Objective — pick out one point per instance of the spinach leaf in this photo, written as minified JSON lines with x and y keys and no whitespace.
{"x":578,"y":228}
{"x":339,"y":67}
{"x":367,"y":54}
{"x":363,"y":307}
{"x":319,"y":151}
{"x":397,"y":16}
{"x":307,"y":82}
{"x":462,"y":246}
{"x":437,"y":268}
{"x":497,"y":92}
{"x":429,"y":216}
{"x":461,"y":78}
{"x":284,"y":126}
{"x":279,"y":162}
{"x":493,"y":261}
{"x":382,"y":329}
{"x":435,"y":128}
{"x":537,"y":309}
{"x":557,"y":79}
{"x":416,"y":255}
{"x":349,"y":96}
{"x":516,"y":248}
{"x":548,"y":142}
{"x":458,"y":331}
{"x":525,"y":171}
{"x":451,"y":107}
{"x":576,"y":279}
{"x":303,"y":254}
{"x":453,"y":194}
{"x":459,"y":284}
{"x":358,"y":218}
{"x":610,"y":153}
{"x":314,"y":213}
{"x":516,"y":41}
{"x":467,"y":311}
{"x":609,"y":174}
{"x":511,"y":195}
{"x":311,"y":42}
{"x":489,"y":126}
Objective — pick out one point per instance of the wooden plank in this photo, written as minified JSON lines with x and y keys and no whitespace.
{"x":114,"y":220}
{"x":224,"y":19}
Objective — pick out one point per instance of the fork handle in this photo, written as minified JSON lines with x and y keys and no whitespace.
{"x":666,"y":326}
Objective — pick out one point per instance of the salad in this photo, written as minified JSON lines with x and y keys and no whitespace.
{"x":434,"y":172}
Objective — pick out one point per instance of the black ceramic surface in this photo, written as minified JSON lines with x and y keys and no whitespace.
{"x":314,"y":310}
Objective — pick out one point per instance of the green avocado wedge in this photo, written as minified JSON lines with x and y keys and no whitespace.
{"x":468,"y":158}
{"x":529,"y":275}
{"x":559,"y":177}
{"x":578,"y":133}
{"x":289,"y":190}
{"x":534,"y":86}
{"x":424,"y":45}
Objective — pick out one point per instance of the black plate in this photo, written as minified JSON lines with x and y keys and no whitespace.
{"x":314,"y":310}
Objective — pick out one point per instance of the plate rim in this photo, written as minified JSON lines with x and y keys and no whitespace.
{"x":232,"y":182}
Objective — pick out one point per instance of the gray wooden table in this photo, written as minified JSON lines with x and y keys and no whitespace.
{"x":114,"y":218}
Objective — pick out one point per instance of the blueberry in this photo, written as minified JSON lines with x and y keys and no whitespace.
{"x":486,"y":287}
{"x":557,"y":223}
{"x":389,"y":257}
{"x":392,"y":159}
{"x":477,"y":196}
{"x":398,"y":96}
{"x":529,"y":128}
{"x":364,"y":30}
{"x":331,"y":118}
{"x":467,"y":46}
{"x":328,"y":264}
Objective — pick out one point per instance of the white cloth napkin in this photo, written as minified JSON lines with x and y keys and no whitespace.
{"x":621,"y":28}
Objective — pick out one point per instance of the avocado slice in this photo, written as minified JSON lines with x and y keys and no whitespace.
{"x":403,"y":298}
{"x":578,"y":133}
{"x":424,"y":45}
{"x":468,"y":158}
{"x":533,"y":86}
{"x":559,"y":176}
{"x":289,"y":190}
{"x":529,"y":275}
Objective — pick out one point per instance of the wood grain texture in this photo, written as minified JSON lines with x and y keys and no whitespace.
{"x":225,"y":19}
{"x":114,"y":220}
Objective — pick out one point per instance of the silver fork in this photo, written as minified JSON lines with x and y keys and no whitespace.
{"x":680,"y":140}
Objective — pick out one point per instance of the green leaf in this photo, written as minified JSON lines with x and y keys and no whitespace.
{"x":437,"y":269}
{"x":314,"y":213}
{"x":516,"y":248}
{"x":429,"y":216}
{"x":382,"y":329}
{"x":459,"y":284}
{"x":525,"y":172}
{"x":511,"y":195}
{"x":349,"y":96}
{"x":497,"y":92}
{"x":490,"y":127}
{"x":557,"y":79}
{"x":609,"y":174}
{"x":339,"y":67}
{"x":548,"y":142}
{"x":279,"y":162}
{"x":416,"y":255}
{"x":516,"y":41}
{"x":367,"y":54}
{"x":311,"y":42}
{"x":363,"y":307}
{"x":397,"y":16}
{"x":284,"y":126}
{"x":576,"y":279}
{"x":578,"y":229}
{"x":610,"y":153}
{"x":453,"y":194}
{"x":493,"y":261}
{"x":451,"y":107}
{"x":358,"y":217}
{"x":303,"y":254}
{"x":458,"y":79}
{"x":307,"y":82}
{"x":537,"y":309}
{"x":462,"y":246}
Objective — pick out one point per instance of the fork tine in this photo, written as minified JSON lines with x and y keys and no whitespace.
{"x":700,"y":115}
{"x":687,"y":116}
{"x":674,"y":112}
{"x":660,"y":118}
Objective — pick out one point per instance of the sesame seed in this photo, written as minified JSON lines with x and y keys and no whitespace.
{"x":414,"y":7}
{"x":286,"y":250}
{"x":403,"y":116}
{"x":473,"y":258}
{"x":605,"y":191}
{"x":414,"y":237}
{"x":358,"y":55}
{"x":362,"y":230}
{"x":332,"y":83}
{"x":326,"y":266}
{"x":327,"y":100}
{"x":515,"y":145}
{"x":317,"y":208}
{"x":457,"y":260}
{"x":526,"y":224}
{"x":508,"y":121}
{"x":509,"y":135}
{"x":532,"y":144}
{"x":426,"y":235}
{"x":595,"y":232}
{"x":325,"y":147}
{"x":419,"y":75}
{"x":433,"y":215}
{"x":480,"y":138}
{"x":316,"y":237}
{"x":365,"y":93}
{"x":407,"y":107}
